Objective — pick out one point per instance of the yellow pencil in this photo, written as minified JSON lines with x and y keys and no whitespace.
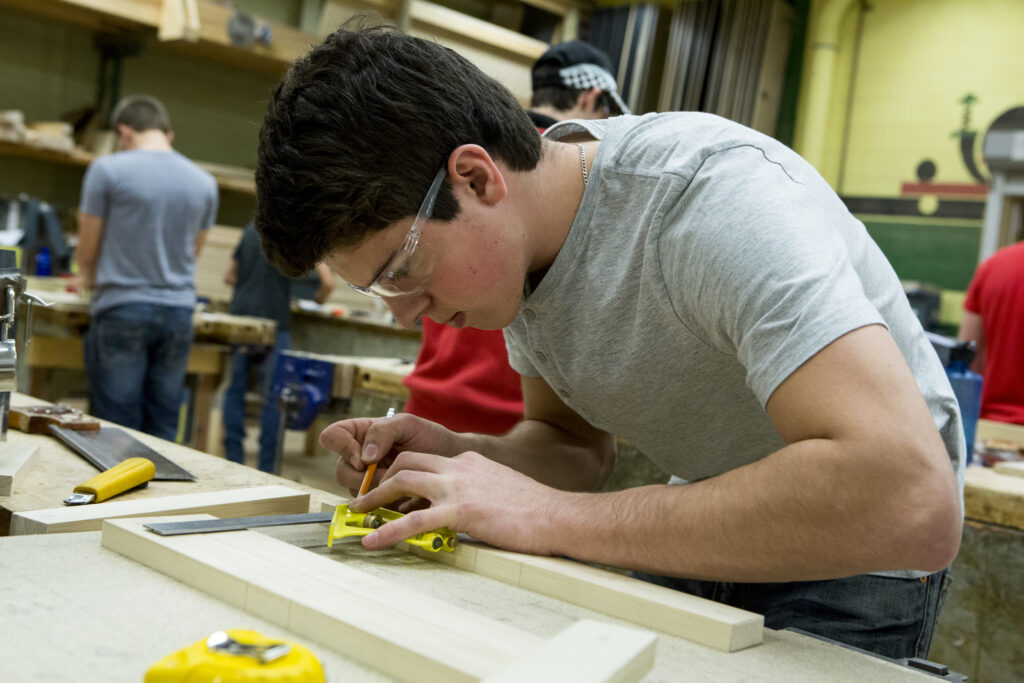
{"x":370,"y":469}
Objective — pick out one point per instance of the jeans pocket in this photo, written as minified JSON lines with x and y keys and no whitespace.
{"x":121,"y":344}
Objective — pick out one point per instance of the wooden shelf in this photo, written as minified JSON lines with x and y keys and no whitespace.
{"x":147,"y":18}
{"x":229,"y":178}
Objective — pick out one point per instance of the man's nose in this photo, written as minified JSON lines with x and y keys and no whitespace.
{"x":408,"y":309}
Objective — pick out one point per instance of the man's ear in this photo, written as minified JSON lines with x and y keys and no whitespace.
{"x":587,"y":101}
{"x":472,"y":171}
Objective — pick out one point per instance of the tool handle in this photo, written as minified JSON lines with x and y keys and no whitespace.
{"x":129,"y":474}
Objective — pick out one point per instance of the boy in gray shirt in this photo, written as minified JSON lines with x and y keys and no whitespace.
{"x":675,"y":279}
{"x":142,"y":222}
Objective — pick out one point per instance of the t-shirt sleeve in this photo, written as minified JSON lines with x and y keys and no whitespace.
{"x":756,"y":265}
{"x":95,"y":199}
{"x":211,"y":212}
{"x":516,"y":358}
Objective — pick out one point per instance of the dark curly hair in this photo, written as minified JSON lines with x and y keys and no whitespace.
{"x":356,"y":130}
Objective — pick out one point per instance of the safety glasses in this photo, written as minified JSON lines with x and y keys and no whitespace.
{"x":409,"y":270}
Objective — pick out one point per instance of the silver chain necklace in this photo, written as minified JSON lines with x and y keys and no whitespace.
{"x":583,"y":164}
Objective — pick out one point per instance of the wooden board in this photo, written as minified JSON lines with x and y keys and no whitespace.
{"x":993,"y":497}
{"x":225,"y":328}
{"x":16,"y":461}
{"x":588,"y":652}
{"x":1013,"y":469}
{"x":262,"y":500}
{"x":990,"y":429}
{"x":679,"y":614}
{"x":405,"y":634}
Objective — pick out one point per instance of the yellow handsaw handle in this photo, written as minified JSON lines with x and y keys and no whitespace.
{"x":127,"y":475}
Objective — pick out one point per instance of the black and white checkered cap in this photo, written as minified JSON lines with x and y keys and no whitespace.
{"x":587,"y":76}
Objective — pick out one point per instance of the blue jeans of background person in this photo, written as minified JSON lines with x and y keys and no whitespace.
{"x":887,"y":616}
{"x":136,"y":356}
{"x":264,"y":361}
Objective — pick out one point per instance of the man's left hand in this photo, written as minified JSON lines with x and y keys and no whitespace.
{"x":468,"y":493}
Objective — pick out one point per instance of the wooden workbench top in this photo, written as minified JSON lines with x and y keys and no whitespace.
{"x":60,"y":469}
{"x":74,"y":606}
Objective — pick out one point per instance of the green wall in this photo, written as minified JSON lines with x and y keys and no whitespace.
{"x":944,"y":255}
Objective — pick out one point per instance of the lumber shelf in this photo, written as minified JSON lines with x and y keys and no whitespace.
{"x":49,"y":579}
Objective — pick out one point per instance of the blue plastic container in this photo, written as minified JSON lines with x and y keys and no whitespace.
{"x":43,"y":262}
{"x":967,"y":387}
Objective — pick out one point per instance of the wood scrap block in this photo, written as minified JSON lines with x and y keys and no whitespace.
{"x":400,"y":632}
{"x":1014,"y":469}
{"x":588,"y":652}
{"x":993,"y":497}
{"x":247,"y":502}
{"x":670,"y":611}
{"x":16,"y":460}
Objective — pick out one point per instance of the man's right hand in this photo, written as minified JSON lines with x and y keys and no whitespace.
{"x":365,"y":440}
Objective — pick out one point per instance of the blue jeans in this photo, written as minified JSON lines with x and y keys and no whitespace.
{"x":135,"y":357}
{"x":887,"y":616}
{"x":263,"y":361}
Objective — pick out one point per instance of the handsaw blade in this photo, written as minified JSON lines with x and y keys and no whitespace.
{"x":109,"y":446}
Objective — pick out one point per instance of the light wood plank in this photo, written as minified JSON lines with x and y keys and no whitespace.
{"x":1014,"y":469}
{"x":586,"y":652}
{"x":400,"y":632}
{"x":16,"y":460}
{"x":1003,"y":431}
{"x":679,"y":614}
{"x":247,"y":502}
{"x":993,"y":497}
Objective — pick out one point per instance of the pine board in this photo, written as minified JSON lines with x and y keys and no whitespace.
{"x":16,"y":461}
{"x":247,"y":502}
{"x":402,"y":633}
{"x":706,"y":622}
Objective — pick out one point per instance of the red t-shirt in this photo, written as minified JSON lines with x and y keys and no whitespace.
{"x":997,"y":294}
{"x":463,"y":381}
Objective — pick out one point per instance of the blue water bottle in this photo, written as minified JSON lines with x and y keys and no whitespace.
{"x":43,"y":262}
{"x":967,"y":387}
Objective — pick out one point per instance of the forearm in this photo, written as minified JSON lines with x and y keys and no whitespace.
{"x":551,"y":455}
{"x":809,"y":511}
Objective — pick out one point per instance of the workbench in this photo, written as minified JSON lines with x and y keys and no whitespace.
{"x":54,"y":357}
{"x":58,"y":470}
{"x":75,"y":608}
{"x":980,"y":632}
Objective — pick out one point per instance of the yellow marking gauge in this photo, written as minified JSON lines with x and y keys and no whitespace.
{"x":238,"y":656}
{"x":348,"y":523}
{"x":118,"y":479}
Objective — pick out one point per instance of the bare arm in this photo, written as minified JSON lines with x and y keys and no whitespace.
{"x":231,"y":274}
{"x":863,"y":485}
{"x":201,"y":241}
{"x":323,"y":292}
{"x":973,"y":329}
{"x":87,"y":253}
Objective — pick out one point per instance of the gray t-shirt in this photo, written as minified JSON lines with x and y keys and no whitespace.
{"x":707,"y":262}
{"x":153,"y":203}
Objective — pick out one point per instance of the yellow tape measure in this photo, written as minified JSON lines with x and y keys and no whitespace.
{"x":238,"y":656}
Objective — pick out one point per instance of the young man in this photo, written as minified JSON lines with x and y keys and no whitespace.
{"x":675,"y":279}
{"x":263,"y":292}
{"x":462,"y":378}
{"x":573,"y":80}
{"x":994,"y":320}
{"x":142,"y":222}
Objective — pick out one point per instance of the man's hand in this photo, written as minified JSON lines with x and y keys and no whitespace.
{"x":467,"y":493}
{"x":362,"y":441}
